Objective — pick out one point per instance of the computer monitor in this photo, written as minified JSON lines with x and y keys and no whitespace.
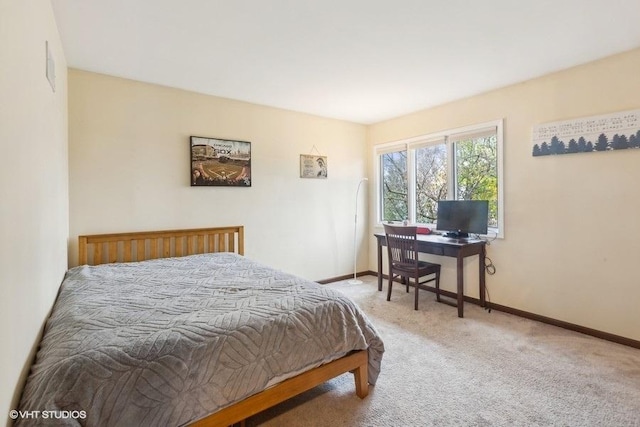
{"x":461,"y":217}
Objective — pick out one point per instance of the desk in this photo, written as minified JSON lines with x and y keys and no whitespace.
{"x":443,"y":246}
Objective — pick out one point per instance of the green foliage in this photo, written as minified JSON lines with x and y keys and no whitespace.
{"x":476,"y":179}
{"x":477,"y":172}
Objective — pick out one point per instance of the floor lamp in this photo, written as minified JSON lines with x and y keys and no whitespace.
{"x":355,"y":281}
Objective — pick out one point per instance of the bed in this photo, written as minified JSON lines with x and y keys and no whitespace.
{"x":179,"y":328}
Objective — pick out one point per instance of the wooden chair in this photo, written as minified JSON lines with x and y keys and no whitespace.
{"x":402,"y":247}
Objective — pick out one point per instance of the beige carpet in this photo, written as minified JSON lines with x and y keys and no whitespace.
{"x":488,"y":369}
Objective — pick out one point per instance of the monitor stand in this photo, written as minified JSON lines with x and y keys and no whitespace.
{"x":456,"y":235}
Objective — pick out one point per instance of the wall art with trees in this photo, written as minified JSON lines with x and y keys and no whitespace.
{"x":616,"y":131}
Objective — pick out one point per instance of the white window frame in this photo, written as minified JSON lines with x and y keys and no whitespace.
{"x":410,"y":145}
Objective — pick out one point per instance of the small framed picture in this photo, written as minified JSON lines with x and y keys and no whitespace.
{"x":220,"y":162}
{"x":312,"y":166}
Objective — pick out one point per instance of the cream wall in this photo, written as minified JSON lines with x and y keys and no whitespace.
{"x":130,"y":170}
{"x":571,"y":245}
{"x":33,"y":185}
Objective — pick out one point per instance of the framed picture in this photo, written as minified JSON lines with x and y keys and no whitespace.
{"x":220,"y":162}
{"x":312,"y":166}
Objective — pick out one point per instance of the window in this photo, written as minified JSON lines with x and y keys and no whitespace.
{"x":395,"y":200}
{"x":460,"y":164}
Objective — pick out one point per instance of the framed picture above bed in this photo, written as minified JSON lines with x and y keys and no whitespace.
{"x":220,"y":162}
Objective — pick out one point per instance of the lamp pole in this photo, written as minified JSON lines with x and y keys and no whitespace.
{"x":355,"y":281}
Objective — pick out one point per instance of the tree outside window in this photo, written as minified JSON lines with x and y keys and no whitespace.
{"x":477,"y":172}
{"x":395,"y":199}
{"x":449,"y":167}
{"x":431,"y":181}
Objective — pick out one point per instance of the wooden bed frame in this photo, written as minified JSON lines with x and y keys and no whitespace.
{"x":140,"y":246}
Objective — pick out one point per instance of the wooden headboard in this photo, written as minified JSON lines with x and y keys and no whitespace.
{"x":139,"y":246}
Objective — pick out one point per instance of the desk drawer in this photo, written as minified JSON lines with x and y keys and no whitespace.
{"x":439,"y":250}
{"x":448,"y":251}
{"x":430,"y":249}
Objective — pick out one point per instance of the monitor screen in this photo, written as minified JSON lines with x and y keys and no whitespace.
{"x":461,"y":217}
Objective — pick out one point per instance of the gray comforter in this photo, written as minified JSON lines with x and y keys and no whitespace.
{"x":169,"y":341}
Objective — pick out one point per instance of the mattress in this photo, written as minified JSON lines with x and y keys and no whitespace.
{"x":170,"y":341}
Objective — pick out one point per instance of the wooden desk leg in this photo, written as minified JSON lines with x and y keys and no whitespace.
{"x":460,"y":286}
{"x":379,"y":265}
{"x":481,"y":261}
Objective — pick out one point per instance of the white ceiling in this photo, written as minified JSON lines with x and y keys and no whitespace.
{"x":358,"y":60}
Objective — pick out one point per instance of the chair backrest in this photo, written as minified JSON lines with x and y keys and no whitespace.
{"x":402,"y":245}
